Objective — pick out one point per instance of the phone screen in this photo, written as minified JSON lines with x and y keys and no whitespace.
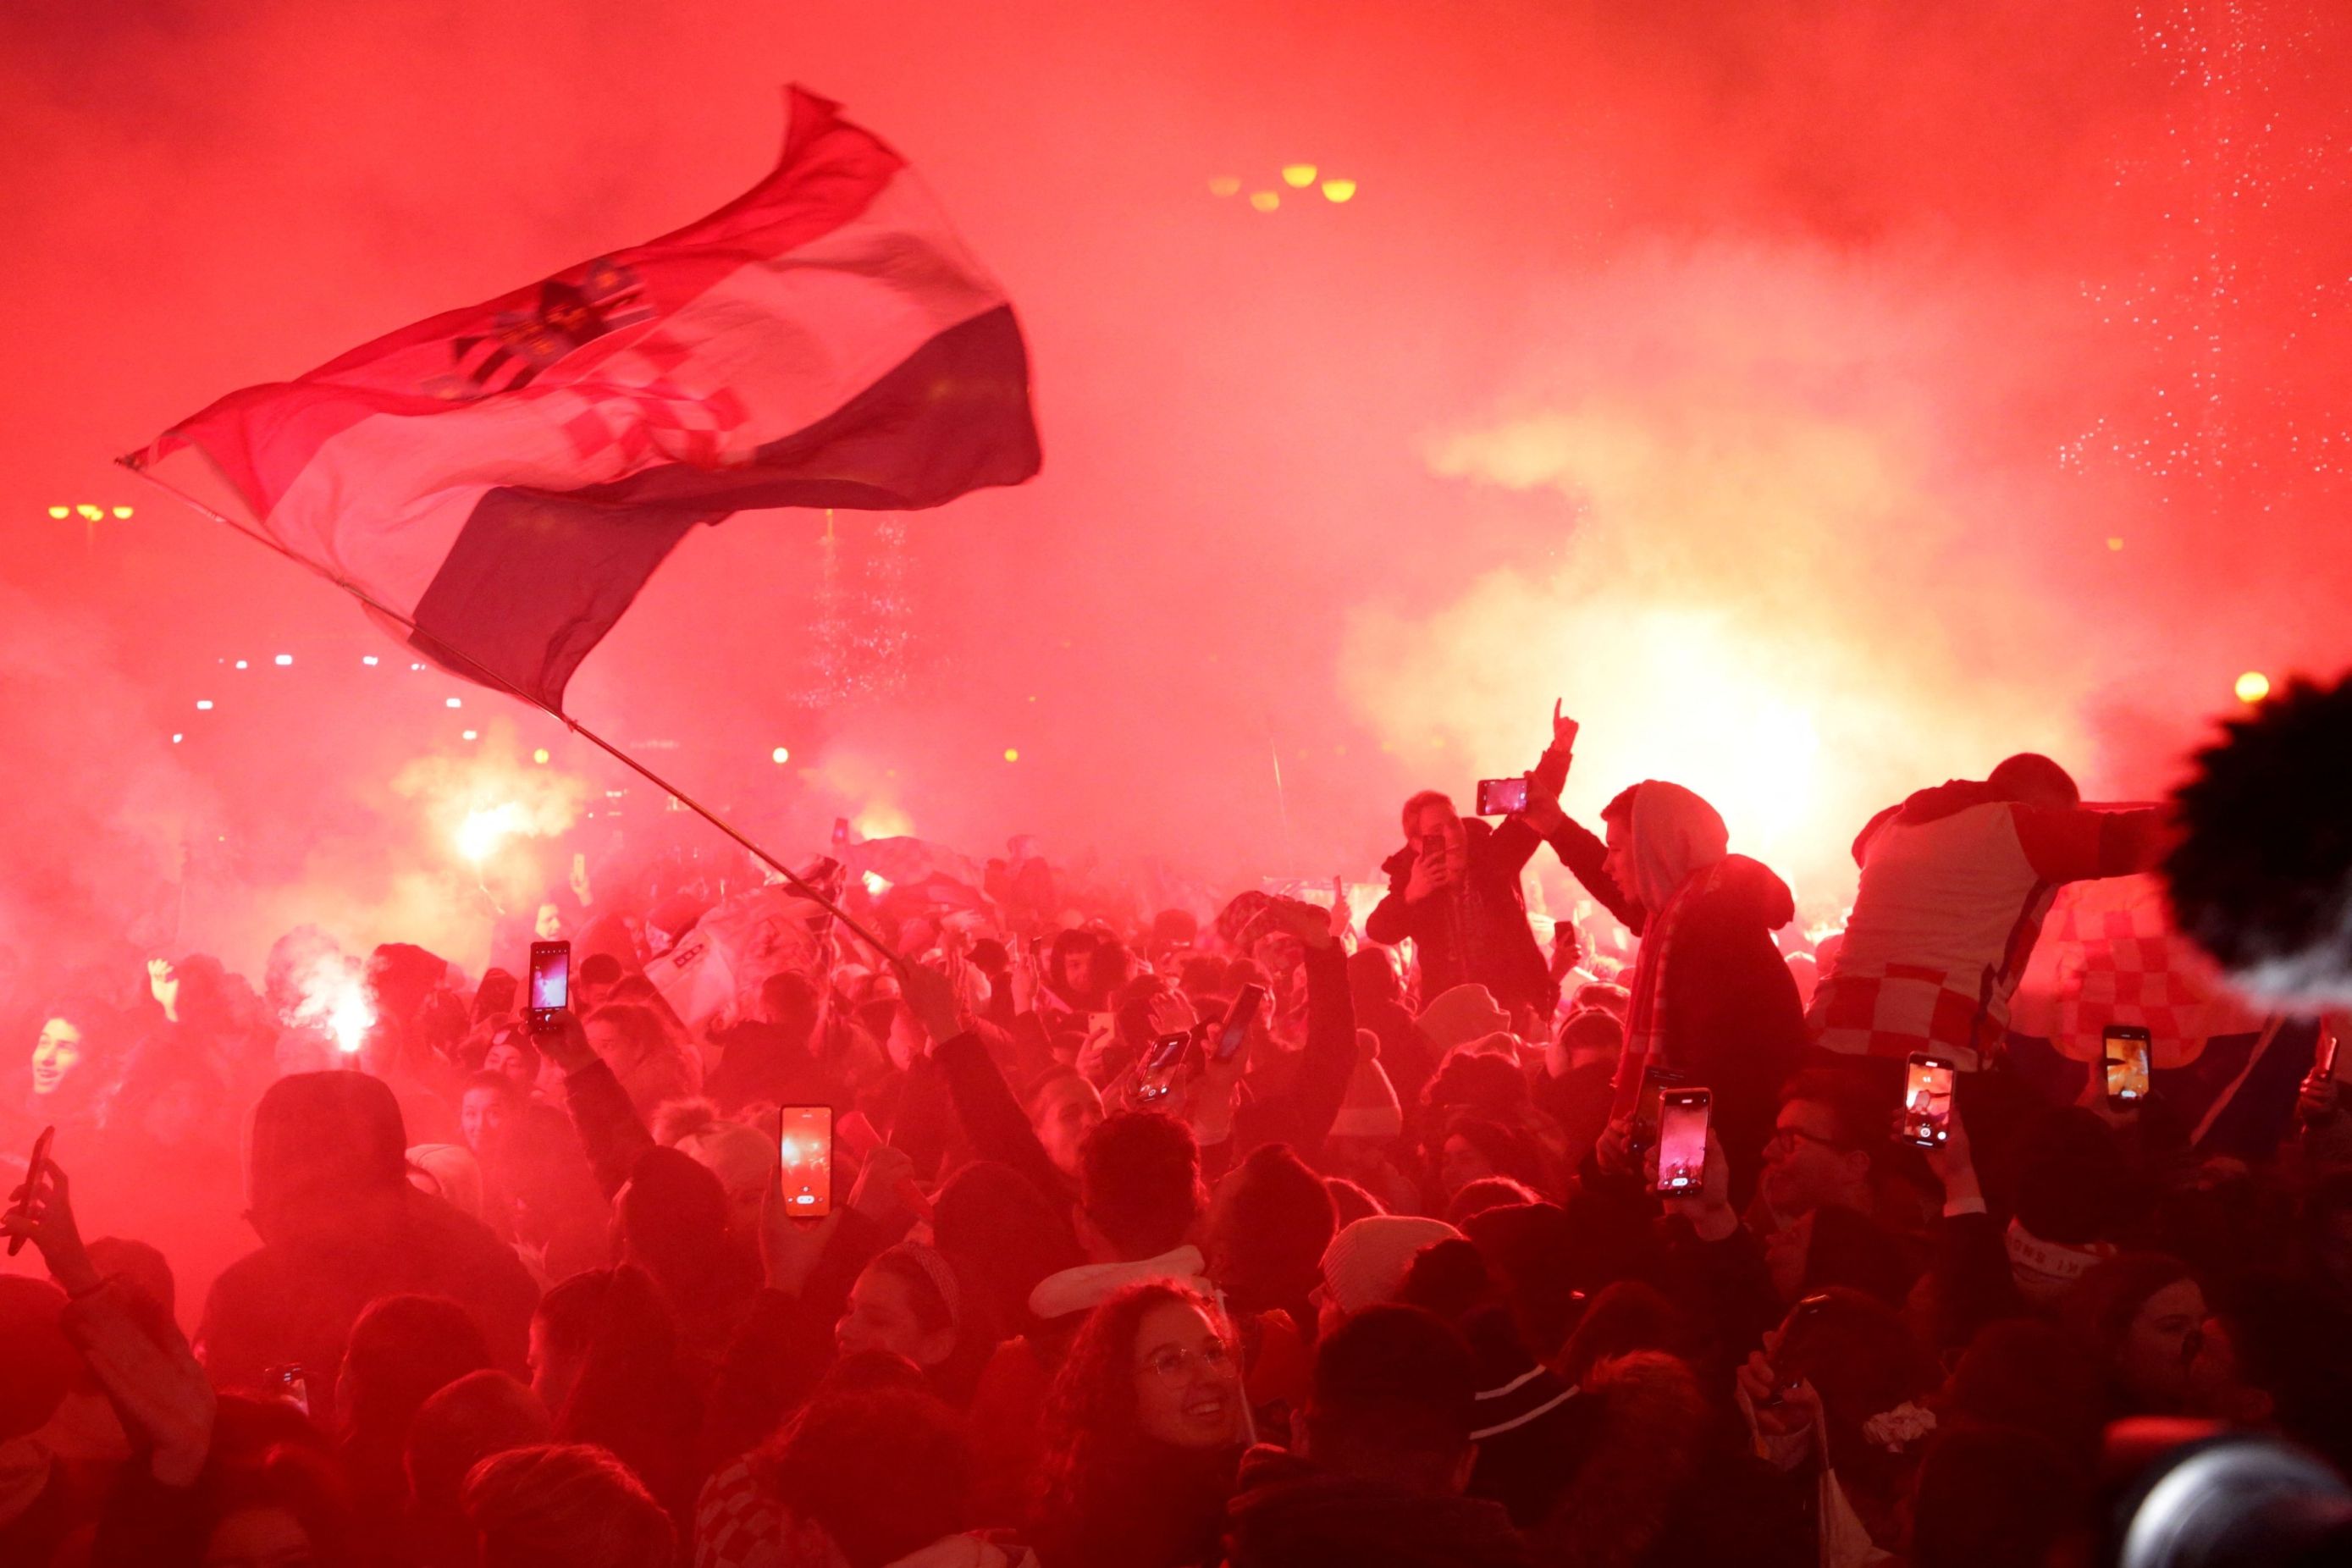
{"x":1235,"y":1031}
{"x":2331,"y":1038}
{"x":292,"y":1384}
{"x":550,"y":980}
{"x":1500,"y":798}
{"x":805,"y":1151}
{"x":1928,"y":1101}
{"x":1682,"y":1140}
{"x":2126,"y":1065}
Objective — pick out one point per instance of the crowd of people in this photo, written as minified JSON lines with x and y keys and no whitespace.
{"x":1266,"y":1236}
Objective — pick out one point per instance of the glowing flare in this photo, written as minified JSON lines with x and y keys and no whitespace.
{"x":348,"y":1019}
{"x":877,"y":883}
{"x":539,"y":756}
{"x":1223,"y":186}
{"x":90,"y":513}
{"x":1338,"y":190}
{"x":2252,"y":687}
{"x":483,"y":831}
{"x":1011,"y":754}
{"x":1298,"y":176}
{"x":781,"y":755}
{"x":1265,"y":201}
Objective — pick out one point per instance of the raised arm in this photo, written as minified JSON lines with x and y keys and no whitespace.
{"x":601,"y":1109}
{"x":983,"y":1101}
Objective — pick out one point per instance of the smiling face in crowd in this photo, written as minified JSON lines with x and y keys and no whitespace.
{"x":1188,"y":1390}
{"x":55,"y":1055}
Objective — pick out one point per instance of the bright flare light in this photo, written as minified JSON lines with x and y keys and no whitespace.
{"x":479,"y":836}
{"x":2252,"y":687}
{"x":876,"y":884}
{"x":1338,"y":190}
{"x":779,"y":756}
{"x":1298,"y":176}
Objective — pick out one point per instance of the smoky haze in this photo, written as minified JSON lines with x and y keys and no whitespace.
{"x":1822,"y":400}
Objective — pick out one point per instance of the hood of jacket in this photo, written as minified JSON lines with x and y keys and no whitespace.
{"x":1289,"y":1514}
{"x":1748,"y":891}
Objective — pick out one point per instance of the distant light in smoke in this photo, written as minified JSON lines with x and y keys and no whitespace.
{"x":284,"y":658}
{"x":779,"y":756}
{"x":417,"y":667}
{"x":204,"y":704}
{"x":1223,"y":186}
{"x":1011,"y":754}
{"x":876,"y":884}
{"x":1265,"y":201}
{"x":1298,"y":176}
{"x":2252,"y":687}
{"x":472,"y":734}
{"x":1338,"y":190}
{"x":367,"y":658}
{"x":2114,"y":544}
{"x":122,"y":512}
{"x":176,"y":740}
{"x":483,"y":831}
{"x":456,"y":702}
{"x":61,"y":513}
{"x":539,"y":756}
{"x":242,"y":665}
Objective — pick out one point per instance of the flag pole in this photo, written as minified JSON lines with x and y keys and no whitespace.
{"x":498,"y":682}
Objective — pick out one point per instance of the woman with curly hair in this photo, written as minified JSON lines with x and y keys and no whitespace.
{"x":1144,"y":1431}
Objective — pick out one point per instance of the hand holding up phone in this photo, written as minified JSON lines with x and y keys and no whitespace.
{"x":41,"y":1212}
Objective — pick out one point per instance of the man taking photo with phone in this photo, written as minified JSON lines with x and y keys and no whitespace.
{"x":1454,"y":890}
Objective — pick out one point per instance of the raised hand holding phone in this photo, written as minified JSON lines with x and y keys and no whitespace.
{"x":41,"y":1211}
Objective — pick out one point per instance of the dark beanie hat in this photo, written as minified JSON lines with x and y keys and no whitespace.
{"x":324,"y":1134}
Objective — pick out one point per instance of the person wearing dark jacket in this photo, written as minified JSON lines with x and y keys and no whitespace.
{"x":1713,"y":1002}
{"x":1387,"y":1453}
{"x":1454,"y":890}
{"x":328,"y":1191}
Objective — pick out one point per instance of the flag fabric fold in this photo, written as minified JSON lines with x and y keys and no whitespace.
{"x":505,"y":478}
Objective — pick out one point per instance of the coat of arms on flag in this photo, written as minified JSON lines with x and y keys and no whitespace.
{"x":502,"y":480}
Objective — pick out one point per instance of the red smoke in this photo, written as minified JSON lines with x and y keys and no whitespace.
{"x":1767,"y":380}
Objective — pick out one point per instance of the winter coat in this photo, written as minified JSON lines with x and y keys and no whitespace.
{"x":1290,"y":1514}
{"x":1476,"y":932}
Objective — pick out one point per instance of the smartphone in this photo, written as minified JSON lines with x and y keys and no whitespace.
{"x":2331,"y":1036}
{"x":35,"y":1169}
{"x":1648,"y":1107}
{"x":1501,"y":797}
{"x":840,"y":831}
{"x":1234,"y":1033}
{"x":291,"y":1382}
{"x":1682,"y":1140}
{"x":1157,"y":1076}
{"x":805,"y":1151}
{"x":550,"y":984}
{"x":1927,"y":1100}
{"x":2126,"y":1064}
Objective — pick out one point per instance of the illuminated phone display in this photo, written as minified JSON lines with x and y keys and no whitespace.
{"x":1928,"y":1101}
{"x":1682,"y":1140}
{"x":805,"y":1153}
{"x":2126,"y":1060}
{"x":550,"y":981}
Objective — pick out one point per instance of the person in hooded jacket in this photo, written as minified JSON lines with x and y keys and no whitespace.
{"x":340,"y":1226}
{"x":1386,"y":1452}
{"x":1713,"y":1004}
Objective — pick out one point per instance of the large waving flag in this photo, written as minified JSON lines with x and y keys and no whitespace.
{"x":2109,"y":954}
{"x":505,"y":478}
